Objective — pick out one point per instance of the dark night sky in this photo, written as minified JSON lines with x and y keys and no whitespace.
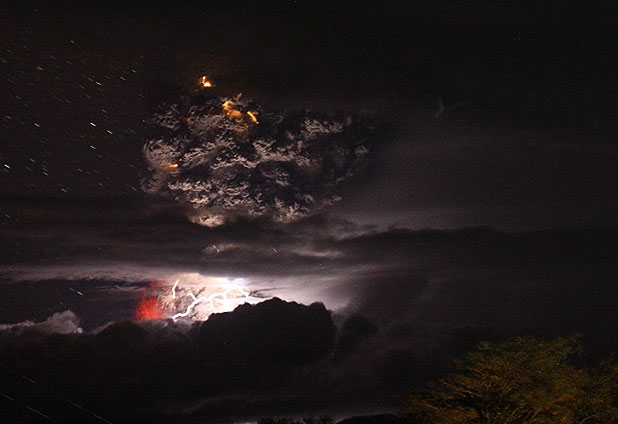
{"x":487,"y":206}
{"x":528,"y":93}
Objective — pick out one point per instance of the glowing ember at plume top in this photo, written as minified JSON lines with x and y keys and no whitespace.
{"x":216,"y":155}
{"x":204,"y":82}
{"x":230,"y":110}
{"x":253,"y":116}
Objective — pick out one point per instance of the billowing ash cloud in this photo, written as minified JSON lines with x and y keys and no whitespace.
{"x":230,"y":157}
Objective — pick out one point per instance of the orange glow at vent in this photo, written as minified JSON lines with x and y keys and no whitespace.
{"x":148,"y":308}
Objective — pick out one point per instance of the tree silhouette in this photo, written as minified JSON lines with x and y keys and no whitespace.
{"x":521,"y":381}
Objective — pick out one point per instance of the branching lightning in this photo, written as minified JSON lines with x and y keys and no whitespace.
{"x":213,"y":295}
{"x":221,"y":297}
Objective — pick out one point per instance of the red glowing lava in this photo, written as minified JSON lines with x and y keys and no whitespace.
{"x":148,"y":308}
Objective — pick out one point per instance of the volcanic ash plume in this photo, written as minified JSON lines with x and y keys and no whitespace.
{"x":229,"y":157}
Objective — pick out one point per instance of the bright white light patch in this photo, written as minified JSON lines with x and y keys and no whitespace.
{"x":196,"y":297}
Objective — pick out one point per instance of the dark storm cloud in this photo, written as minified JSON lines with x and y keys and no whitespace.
{"x":214,"y":155}
{"x":498,"y":115}
{"x":455,"y":171}
{"x":404,"y":301}
{"x":383,"y":272}
{"x":230,"y":355}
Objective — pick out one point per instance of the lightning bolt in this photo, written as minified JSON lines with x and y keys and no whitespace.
{"x":221,"y":297}
{"x":174,"y":289}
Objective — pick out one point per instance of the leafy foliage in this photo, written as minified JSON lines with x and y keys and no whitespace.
{"x":521,"y":381}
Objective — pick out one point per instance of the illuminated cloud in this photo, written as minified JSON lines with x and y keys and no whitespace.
{"x":230,"y":157}
{"x":196,"y":297}
{"x":60,"y":323}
